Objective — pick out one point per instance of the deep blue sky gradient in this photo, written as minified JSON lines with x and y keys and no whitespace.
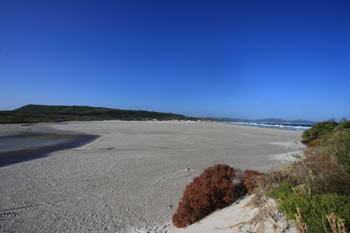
{"x":244,"y":59}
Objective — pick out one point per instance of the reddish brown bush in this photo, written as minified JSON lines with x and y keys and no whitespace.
{"x":216,"y":187}
{"x":250,"y":180}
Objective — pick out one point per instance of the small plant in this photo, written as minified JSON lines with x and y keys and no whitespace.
{"x":337,"y":224}
{"x":250,"y":180}
{"x":301,"y":226}
{"x":281,"y":191}
{"x":217,"y":187}
{"x":302,"y":190}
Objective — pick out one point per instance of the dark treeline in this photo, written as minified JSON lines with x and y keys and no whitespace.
{"x":46,"y":113}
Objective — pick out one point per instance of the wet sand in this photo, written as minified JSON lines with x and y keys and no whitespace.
{"x":131,"y":178}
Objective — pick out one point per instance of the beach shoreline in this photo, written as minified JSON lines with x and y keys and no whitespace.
{"x":132,"y":176}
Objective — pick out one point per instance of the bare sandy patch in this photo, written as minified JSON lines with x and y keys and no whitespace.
{"x":131,"y":177}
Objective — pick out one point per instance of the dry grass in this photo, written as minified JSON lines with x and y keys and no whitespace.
{"x":337,"y":224}
{"x":267,"y":219}
{"x":300,"y":225}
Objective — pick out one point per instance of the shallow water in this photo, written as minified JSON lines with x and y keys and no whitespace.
{"x":19,"y":147}
{"x":29,"y":140}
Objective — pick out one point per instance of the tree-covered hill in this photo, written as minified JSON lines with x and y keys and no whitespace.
{"x":47,"y":113}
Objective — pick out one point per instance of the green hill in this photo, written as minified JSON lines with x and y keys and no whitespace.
{"x":47,"y":113}
{"x":33,"y":108}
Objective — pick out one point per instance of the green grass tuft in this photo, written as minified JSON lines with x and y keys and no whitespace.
{"x":280,"y":191}
{"x":314,"y":209}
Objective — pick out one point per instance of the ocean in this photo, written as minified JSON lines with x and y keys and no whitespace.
{"x":272,"y":125}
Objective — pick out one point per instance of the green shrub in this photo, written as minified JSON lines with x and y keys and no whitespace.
{"x":338,"y":145}
{"x":343,"y":125}
{"x":314,"y":209}
{"x":281,"y":191}
{"x":317,"y":130}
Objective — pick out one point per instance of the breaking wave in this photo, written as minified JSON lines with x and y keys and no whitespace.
{"x":272,"y":125}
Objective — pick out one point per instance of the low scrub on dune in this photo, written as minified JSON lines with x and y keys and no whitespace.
{"x":217,"y":187}
{"x":314,"y":209}
{"x":343,"y":125}
{"x":250,"y":178}
{"x":317,"y":130}
{"x":315,"y":191}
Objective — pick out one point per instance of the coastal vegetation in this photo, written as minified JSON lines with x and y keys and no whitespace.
{"x":48,"y":113}
{"x":250,"y":180}
{"x":213,"y":189}
{"x":319,"y":129}
{"x":217,"y":187}
{"x":314,"y":192}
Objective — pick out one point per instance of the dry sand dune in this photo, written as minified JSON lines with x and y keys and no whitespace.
{"x":131,"y":178}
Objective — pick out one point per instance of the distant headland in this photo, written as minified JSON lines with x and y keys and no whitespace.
{"x":33,"y":113}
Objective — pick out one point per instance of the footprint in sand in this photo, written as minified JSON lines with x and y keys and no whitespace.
{"x":15,"y":208}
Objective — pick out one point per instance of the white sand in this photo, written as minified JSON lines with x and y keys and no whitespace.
{"x":130,"y":178}
{"x":235,"y":219}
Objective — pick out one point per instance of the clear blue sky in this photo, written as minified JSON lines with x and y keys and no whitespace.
{"x":245,"y":59}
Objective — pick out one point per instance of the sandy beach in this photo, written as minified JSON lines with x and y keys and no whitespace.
{"x":132,"y":177}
